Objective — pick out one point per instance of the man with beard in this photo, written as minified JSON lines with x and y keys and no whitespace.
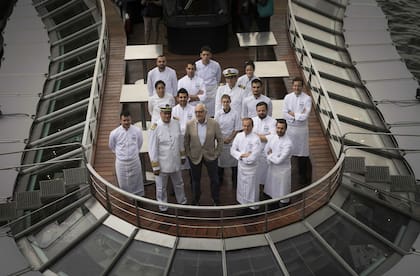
{"x":126,"y":141}
{"x":278,"y":151}
{"x":264,"y":125}
{"x":163,"y":73}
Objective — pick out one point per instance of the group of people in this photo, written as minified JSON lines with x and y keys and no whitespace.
{"x":218,"y":126}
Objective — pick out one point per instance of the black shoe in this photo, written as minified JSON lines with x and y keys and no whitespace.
{"x":284,"y":204}
{"x":244,"y":212}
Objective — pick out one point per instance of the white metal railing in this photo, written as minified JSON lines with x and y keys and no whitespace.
{"x":89,"y":133}
{"x":140,"y":210}
{"x":322,"y":102}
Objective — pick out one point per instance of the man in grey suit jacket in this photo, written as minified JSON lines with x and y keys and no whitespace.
{"x":203,"y":144}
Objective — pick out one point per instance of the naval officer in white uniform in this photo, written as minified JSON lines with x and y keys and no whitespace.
{"x":166,"y":152}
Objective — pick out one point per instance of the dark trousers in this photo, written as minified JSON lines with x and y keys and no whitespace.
{"x":263,"y":24}
{"x":221,"y":172}
{"x":304,"y":170}
{"x":211,"y":166}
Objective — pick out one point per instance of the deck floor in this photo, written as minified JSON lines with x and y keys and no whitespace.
{"x":119,"y":73}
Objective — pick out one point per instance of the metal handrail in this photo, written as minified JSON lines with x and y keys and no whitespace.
{"x":291,"y":17}
{"x":89,"y":133}
{"x":105,"y":193}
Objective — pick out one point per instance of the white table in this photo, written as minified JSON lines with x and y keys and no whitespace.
{"x":277,"y":109}
{"x":136,"y":93}
{"x":256,"y":40}
{"x":270,"y":69}
{"x":143,"y":53}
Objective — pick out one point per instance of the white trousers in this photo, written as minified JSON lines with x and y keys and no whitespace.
{"x":161,"y":185}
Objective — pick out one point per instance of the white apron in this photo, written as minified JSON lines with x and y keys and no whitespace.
{"x":248,"y":189}
{"x":278,"y":181}
{"x":299,"y":135}
{"x":129,"y":176}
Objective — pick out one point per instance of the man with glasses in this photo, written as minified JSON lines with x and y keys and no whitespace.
{"x":203,"y":144}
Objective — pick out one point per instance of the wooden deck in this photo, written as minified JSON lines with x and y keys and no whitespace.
{"x":120,"y":72}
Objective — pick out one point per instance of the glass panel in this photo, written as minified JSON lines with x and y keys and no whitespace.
{"x":344,"y":90}
{"x":252,"y":261}
{"x":316,"y":17}
{"x":337,"y":71}
{"x":193,"y":262}
{"x":51,"y":153}
{"x":375,"y":160}
{"x":51,"y":239}
{"x":142,"y":259}
{"x":76,"y":25}
{"x":383,"y":220}
{"x":327,"y":52}
{"x":79,"y":58}
{"x":52,"y":5}
{"x":68,"y":121}
{"x":317,"y":33}
{"x":304,"y":255}
{"x":69,"y":99}
{"x":68,"y":12}
{"x":75,"y":77}
{"x":323,"y":7}
{"x":368,"y":140}
{"x":81,"y":40}
{"x":353,"y":112}
{"x":92,"y":255}
{"x":359,"y":249}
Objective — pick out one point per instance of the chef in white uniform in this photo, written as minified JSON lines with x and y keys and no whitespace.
{"x":278,"y":151}
{"x":193,"y":84}
{"x":183,"y":112}
{"x":211,"y":73}
{"x":230,"y":124}
{"x":126,"y":141}
{"x":264,"y":125}
{"x":166,"y":152}
{"x":296,"y":108}
{"x":246,"y":148}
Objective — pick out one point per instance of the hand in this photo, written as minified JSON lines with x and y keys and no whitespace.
{"x":244,"y":155}
{"x":157,"y":172}
{"x":183,"y":160}
{"x":291,"y":113}
{"x":269,"y":152}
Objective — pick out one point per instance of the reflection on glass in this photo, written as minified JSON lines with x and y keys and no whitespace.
{"x":70,"y":99}
{"x":92,"y":255}
{"x":68,"y":121}
{"x":192,"y":262}
{"x":304,"y":255}
{"x":52,"y":5}
{"x":358,"y":248}
{"x":142,"y":259}
{"x":75,"y":77}
{"x":383,"y":220}
{"x":252,"y":261}
{"x":76,"y":25}
{"x":323,"y":7}
{"x":52,"y":238}
{"x":68,"y":12}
